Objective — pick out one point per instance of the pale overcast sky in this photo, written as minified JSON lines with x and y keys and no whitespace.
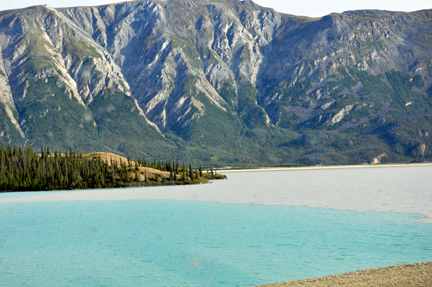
{"x":312,"y":8}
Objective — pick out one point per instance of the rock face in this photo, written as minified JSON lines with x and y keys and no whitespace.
{"x":222,"y":81}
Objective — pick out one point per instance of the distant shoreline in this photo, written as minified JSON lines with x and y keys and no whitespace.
{"x":223,"y":170}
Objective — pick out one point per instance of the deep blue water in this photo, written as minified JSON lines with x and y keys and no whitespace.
{"x":180,"y":243}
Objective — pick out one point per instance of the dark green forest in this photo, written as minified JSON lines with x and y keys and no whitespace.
{"x":26,"y":170}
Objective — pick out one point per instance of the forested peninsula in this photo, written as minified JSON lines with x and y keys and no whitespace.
{"x":26,"y":170}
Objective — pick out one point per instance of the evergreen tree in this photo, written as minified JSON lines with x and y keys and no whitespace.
{"x":23,"y":169}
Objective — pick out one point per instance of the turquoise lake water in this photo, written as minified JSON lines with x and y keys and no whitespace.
{"x":181,"y":243}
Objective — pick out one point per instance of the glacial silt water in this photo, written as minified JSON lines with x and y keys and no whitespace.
{"x":186,"y":243}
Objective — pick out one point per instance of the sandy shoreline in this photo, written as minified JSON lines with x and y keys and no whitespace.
{"x":366,"y":189}
{"x":417,"y":275}
{"x":324,"y":167}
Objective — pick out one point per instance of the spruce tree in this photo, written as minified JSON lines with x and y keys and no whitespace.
{"x":23,"y":169}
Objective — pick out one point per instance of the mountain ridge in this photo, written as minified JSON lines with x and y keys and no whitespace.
{"x":225,"y":82}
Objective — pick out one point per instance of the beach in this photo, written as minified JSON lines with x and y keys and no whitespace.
{"x":414,"y":275}
{"x":323,"y":187}
{"x":324,"y":167}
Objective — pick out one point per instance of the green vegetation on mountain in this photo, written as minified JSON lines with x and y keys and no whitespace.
{"x":50,"y":115}
{"x":80,"y":50}
{"x":122,"y":127}
{"x":9,"y":133}
{"x":228,"y":91}
{"x":247,"y":108}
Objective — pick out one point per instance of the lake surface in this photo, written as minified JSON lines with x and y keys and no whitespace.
{"x":191,"y":243}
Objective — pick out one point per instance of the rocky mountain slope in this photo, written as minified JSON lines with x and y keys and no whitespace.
{"x":226,"y":82}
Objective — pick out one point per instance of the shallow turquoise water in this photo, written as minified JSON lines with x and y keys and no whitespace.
{"x":179,"y":243}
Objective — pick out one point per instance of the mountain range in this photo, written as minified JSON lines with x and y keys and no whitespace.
{"x":220,"y":82}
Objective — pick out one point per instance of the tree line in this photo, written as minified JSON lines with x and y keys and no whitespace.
{"x":26,"y":170}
